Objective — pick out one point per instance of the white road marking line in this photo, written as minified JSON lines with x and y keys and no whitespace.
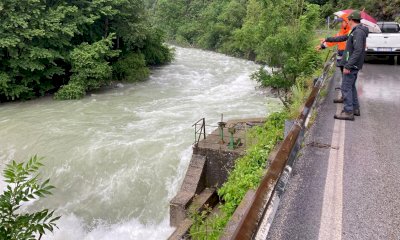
{"x":332,"y":207}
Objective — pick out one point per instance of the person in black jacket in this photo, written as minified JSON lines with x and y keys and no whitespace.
{"x":352,"y":61}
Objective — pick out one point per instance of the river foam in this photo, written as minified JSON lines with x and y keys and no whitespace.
{"x":72,"y":227}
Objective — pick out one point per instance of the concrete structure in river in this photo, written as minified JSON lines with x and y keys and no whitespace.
{"x":212,"y":159}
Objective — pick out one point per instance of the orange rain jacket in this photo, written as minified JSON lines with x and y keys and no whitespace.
{"x":343,"y":31}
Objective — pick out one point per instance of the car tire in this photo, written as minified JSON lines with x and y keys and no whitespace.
{"x":391,"y":60}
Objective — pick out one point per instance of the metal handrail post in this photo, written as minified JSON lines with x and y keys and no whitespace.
{"x":204,"y":128}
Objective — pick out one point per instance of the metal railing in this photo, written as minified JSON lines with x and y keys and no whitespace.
{"x":199,"y":130}
{"x":233,"y":141}
{"x":249,"y":223}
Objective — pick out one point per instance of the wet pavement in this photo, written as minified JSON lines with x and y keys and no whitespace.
{"x":346,"y":184}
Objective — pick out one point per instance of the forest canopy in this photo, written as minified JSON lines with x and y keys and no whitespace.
{"x":237,"y":27}
{"x":71,"y":47}
{"x":78,"y":45}
{"x":384,"y":10}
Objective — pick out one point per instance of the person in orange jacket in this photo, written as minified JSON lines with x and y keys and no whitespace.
{"x":344,"y":30}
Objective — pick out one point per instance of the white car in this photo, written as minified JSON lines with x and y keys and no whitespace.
{"x":386,"y":43}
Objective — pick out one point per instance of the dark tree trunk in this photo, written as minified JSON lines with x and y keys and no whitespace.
{"x":106,"y":25}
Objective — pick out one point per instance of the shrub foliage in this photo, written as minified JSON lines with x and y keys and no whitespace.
{"x":24,"y":185}
{"x":47,"y":44}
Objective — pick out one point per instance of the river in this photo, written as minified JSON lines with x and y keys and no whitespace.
{"x":119,"y":155}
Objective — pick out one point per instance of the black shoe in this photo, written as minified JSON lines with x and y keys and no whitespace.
{"x":344,"y":116}
{"x":357,"y":112}
{"x":337,"y":88}
{"x":338,"y":100}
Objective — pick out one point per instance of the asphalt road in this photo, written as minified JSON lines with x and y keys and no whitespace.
{"x":346,"y":182}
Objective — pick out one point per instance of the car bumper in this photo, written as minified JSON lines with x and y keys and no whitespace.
{"x":386,"y":52}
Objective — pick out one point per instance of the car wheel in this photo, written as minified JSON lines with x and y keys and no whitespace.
{"x":391,"y":60}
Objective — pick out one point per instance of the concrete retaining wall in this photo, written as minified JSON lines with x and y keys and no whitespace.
{"x":209,"y":167}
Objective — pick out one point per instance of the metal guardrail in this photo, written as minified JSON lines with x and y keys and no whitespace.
{"x":249,"y":224}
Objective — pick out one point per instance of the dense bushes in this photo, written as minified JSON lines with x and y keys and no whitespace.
{"x":70,"y":92}
{"x":288,"y":49}
{"x":47,"y":44}
{"x":204,"y":24}
{"x":89,"y":68}
{"x":131,"y":68}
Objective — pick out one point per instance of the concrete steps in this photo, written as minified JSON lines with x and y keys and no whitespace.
{"x":207,"y":198}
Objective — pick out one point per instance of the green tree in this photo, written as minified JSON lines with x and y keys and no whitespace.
{"x":169,"y":14}
{"x":24,"y":185}
{"x":387,"y":10}
{"x":253,"y":30}
{"x":383,"y":10}
{"x":204,"y":24}
{"x":89,"y":67}
{"x":33,"y":40}
{"x":289,"y":52}
{"x":38,"y":38}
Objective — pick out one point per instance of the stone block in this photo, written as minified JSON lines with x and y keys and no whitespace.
{"x":193,"y":183}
